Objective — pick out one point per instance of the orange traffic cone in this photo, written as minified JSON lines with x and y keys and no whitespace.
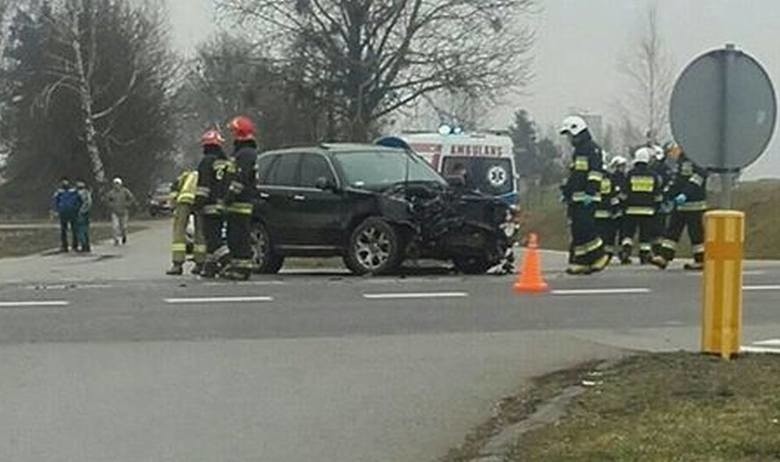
{"x":530,"y":279}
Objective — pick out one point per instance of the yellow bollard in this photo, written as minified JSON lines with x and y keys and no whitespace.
{"x":722,"y":303}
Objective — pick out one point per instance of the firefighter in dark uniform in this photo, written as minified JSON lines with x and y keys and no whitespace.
{"x":662,"y":170}
{"x":642,"y":197}
{"x":582,"y":192}
{"x":210,"y":200}
{"x":609,"y":211}
{"x":239,"y":199}
{"x":689,"y":195}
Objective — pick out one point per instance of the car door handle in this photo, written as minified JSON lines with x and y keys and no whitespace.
{"x":299,"y":198}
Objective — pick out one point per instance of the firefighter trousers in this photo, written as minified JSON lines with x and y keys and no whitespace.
{"x":694,"y":222}
{"x":181,"y":217}
{"x":216,"y":248}
{"x":646,"y":225}
{"x":586,"y":246}
{"x":239,"y":228}
{"x":607,"y":230}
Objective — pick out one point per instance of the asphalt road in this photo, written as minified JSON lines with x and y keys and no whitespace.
{"x":106,"y":360}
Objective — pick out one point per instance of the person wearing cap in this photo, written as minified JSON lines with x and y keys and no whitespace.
{"x":119,"y":201}
{"x":582,"y":191}
{"x":82,"y":221}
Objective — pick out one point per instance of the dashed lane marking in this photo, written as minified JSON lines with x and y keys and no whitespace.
{"x":35,"y":304}
{"x":627,"y":291}
{"x":207,"y":300}
{"x":771,"y":346}
{"x":761,"y":288}
{"x":410,"y":295}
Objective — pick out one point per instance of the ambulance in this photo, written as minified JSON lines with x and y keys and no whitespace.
{"x":487,"y":158}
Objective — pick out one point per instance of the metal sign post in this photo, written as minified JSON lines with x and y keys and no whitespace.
{"x":723,"y":114}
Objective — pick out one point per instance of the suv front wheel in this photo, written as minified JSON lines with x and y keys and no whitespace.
{"x":374,"y":248}
{"x":264,"y":259}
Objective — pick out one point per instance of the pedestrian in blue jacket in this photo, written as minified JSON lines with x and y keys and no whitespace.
{"x":67,"y":203}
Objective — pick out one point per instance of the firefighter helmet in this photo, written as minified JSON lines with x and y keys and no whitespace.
{"x":212,"y":138}
{"x":242,"y":128}
{"x":617,"y":161}
{"x":643,"y":155}
{"x":573,"y":125}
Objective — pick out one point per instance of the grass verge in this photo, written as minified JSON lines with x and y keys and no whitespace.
{"x":21,"y":242}
{"x":758,"y":200}
{"x":663,"y":407}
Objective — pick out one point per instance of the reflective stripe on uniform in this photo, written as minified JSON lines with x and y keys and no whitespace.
{"x":642,"y":184}
{"x":185,"y":198}
{"x":645,"y":247}
{"x":697,"y":179}
{"x":668,"y":244}
{"x":585,"y":249}
{"x":615,"y":201}
{"x":581,"y":163}
{"x":203,"y":191}
{"x":582,"y":197}
{"x":618,"y":214}
{"x":644,"y":211}
{"x":602,"y":214}
{"x":236,"y":187}
{"x":240,"y":208}
{"x":199,"y":249}
{"x":241,"y":264}
{"x":179,"y":247}
{"x":697,"y":206}
{"x":213,"y":209}
{"x":595,"y":175}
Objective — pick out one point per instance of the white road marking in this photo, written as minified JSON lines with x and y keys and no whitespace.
{"x":68,"y":286}
{"x":246,"y":283}
{"x":406,"y":296}
{"x":761,"y":288}
{"x":205,"y":300}
{"x":34,"y":304}
{"x":750,"y":349}
{"x":601,"y":291}
{"x":770,"y":342}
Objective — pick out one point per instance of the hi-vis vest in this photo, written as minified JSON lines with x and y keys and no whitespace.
{"x":187,"y":188}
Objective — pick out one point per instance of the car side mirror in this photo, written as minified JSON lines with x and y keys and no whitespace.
{"x":325,"y":184}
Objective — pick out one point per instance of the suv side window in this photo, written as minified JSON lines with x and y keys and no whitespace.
{"x":264,"y":166}
{"x":284,"y":171}
{"x":314,"y":166}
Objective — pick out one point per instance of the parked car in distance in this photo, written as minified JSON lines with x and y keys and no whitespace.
{"x":373,"y":206}
{"x":160,"y":201}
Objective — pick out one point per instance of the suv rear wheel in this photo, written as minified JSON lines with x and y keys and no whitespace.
{"x":374,"y":248}
{"x":264,"y":259}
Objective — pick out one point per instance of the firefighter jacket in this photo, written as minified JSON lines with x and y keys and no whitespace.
{"x":242,"y":176}
{"x":585,"y":172}
{"x":184,"y":188}
{"x":661,"y":169}
{"x":691,"y":180}
{"x":609,"y":207}
{"x":212,"y":185}
{"x":644,"y":192}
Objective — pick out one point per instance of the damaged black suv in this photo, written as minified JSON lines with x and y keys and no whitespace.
{"x":375,"y":207}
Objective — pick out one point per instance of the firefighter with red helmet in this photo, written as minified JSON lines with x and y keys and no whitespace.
{"x":239,"y":198}
{"x":210,"y":200}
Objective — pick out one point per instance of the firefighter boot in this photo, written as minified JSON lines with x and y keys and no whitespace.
{"x":176,"y":270}
{"x":659,"y":262}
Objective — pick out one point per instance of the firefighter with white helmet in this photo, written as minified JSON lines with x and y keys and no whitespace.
{"x":641,"y":197}
{"x":582,"y":192}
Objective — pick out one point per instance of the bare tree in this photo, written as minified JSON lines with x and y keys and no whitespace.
{"x":74,"y":70}
{"x":376,"y":56}
{"x":649,"y":71}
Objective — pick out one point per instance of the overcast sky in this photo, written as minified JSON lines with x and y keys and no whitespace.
{"x":581,"y":41}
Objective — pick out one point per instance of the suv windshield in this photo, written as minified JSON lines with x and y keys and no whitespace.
{"x":381,"y":169}
{"x":491,"y":176}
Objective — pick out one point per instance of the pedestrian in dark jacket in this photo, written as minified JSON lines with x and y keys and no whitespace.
{"x":66,"y":204}
{"x":82,"y":221}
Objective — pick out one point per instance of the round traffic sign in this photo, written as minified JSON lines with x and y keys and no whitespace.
{"x":723,"y":109}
